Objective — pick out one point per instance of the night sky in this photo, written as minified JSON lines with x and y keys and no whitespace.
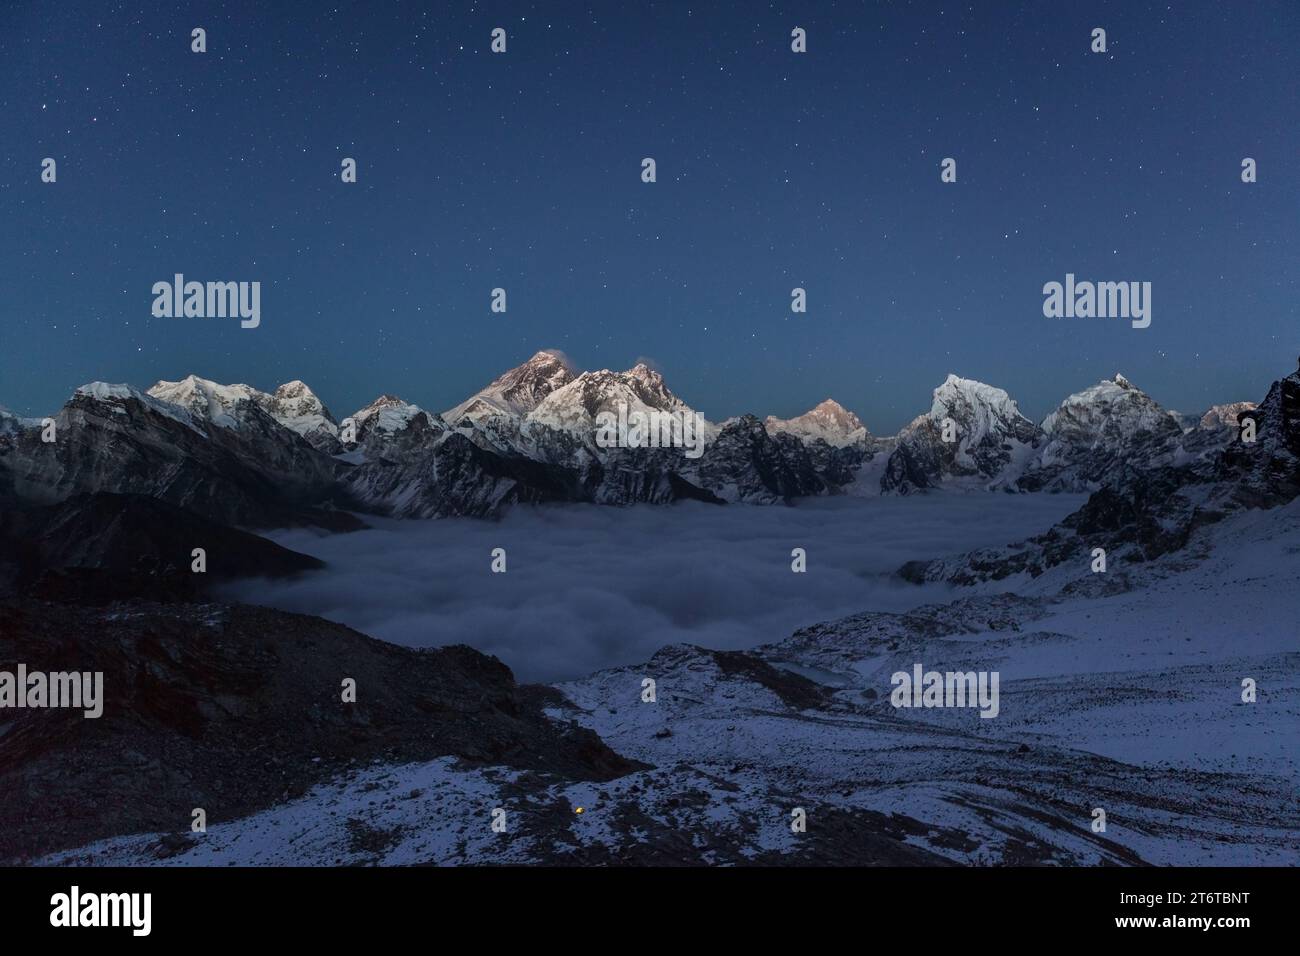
{"x":775,"y":170}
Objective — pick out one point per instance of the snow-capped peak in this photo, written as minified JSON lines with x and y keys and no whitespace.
{"x":517,"y":392}
{"x":386,"y":414}
{"x":104,"y":391}
{"x":645,"y":373}
{"x":1115,"y":407}
{"x":829,"y":421}
{"x":973,"y":434}
{"x":961,"y":398}
{"x":118,"y":395}
{"x":1225,"y":416}
{"x":297,"y":389}
{"x":574,"y":407}
{"x":209,"y":400}
{"x":295,"y":406}
{"x":294,"y":401}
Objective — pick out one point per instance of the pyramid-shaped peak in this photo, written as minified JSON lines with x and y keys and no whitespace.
{"x":831,"y":406}
{"x":295,"y":389}
{"x":515,"y":393}
{"x":644,"y":370}
{"x":972,"y":387}
{"x":958,"y":394}
{"x":828,"y":420}
{"x":832,"y":411}
{"x":550,"y":357}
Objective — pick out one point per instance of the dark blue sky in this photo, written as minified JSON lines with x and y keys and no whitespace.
{"x":522,"y":170}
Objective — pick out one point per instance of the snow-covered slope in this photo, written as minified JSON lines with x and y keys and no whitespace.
{"x":1127,"y":701}
{"x":389,"y":416}
{"x":117,"y":398}
{"x":566,"y":418}
{"x":293,"y":405}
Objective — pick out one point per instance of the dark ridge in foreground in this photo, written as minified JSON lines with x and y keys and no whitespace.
{"x":98,"y":548}
{"x":234,"y":708}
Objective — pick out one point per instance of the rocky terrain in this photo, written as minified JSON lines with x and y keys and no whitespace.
{"x":1123,"y":698}
{"x":233,"y":709}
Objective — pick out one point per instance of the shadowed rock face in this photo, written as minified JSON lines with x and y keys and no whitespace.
{"x":96,"y":549}
{"x":260,"y":474}
{"x":541,"y":411}
{"x":745,"y":463}
{"x":989,"y":437}
{"x":1097,"y":431}
{"x":233,"y":708}
{"x":452,"y":476}
{"x":1267,"y":471}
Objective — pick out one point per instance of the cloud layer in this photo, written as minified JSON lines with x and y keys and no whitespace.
{"x":592,"y":587}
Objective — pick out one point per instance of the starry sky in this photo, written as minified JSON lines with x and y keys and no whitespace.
{"x":522,"y":170}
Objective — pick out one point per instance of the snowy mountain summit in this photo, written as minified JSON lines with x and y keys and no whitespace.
{"x":296,"y":407}
{"x":293,"y":405}
{"x":517,"y":392}
{"x":534,"y":434}
{"x":829,"y":421}
{"x":974,"y":436}
{"x":574,"y":407}
{"x":207,"y":400}
{"x":1094,"y":431}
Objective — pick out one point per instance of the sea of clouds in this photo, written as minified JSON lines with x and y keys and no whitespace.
{"x":589,"y":587}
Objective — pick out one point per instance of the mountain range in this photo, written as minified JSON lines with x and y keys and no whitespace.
{"x":1200,"y":530}
{"x":239,"y":455}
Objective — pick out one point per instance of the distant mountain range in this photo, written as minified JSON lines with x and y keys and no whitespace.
{"x":1152,"y":499}
{"x":238,"y":455}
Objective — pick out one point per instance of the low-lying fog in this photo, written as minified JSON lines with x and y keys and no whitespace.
{"x":589,"y":587}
